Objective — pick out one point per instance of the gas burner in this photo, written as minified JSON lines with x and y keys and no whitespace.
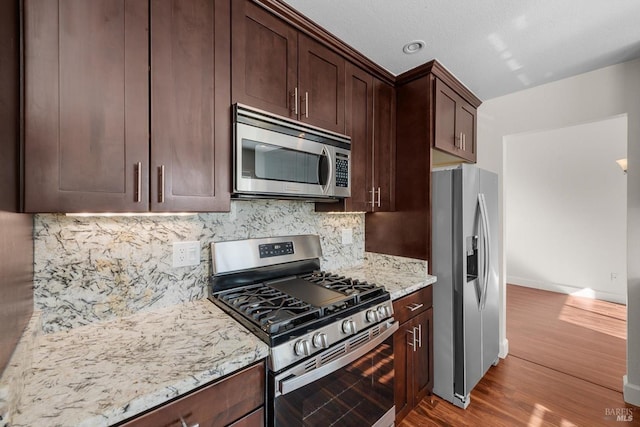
{"x":362,"y":290}
{"x":286,"y":299}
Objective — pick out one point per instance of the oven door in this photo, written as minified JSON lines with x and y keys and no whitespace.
{"x":349,"y":384}
{"x":273,"y":163}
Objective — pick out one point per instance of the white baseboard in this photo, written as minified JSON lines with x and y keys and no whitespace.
{"x":631,"y":392}
{"x":504,"y":349}
{"x":565,"y":289}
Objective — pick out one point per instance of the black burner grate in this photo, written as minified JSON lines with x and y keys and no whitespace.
{"x":275,"y":312}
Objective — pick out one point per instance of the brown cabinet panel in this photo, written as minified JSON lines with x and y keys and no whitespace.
{"x":423,"y":362}
{"x":445,"y":129}
{"x":413,"y":304}
{"x":370,"y":122}
{"x":455,"y":127}
{"x":358,"y":120}
{"x":86,"y":105}
{"x":254,"y":419}
{"x":466,"y":121}
{"x":384,"y":146}
{"x":264,"y":59}
{"x":190,"y":113}
{"x":321,"y":81}
{"x":279,"y":69}
{"x":402,"y":370}
{"x":413,"y":350}
{"x":219,"y":404}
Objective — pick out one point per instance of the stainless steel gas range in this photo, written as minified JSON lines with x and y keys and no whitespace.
{"x":331,"y":357}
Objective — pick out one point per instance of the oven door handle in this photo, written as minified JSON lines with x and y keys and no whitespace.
{"x":290,"y":384}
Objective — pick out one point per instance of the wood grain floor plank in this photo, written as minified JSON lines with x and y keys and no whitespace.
{"x":579,"y":340}
{"x":563,"y":333}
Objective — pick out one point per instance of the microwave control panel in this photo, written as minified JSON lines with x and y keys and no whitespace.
{"x":342,"y":170}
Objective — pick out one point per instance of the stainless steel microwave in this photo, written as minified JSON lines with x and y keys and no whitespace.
{"x":275,"y":157}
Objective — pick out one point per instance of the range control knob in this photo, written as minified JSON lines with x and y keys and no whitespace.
{"x":372,"y":316}
{"x":383,"y":312}
{"x":301,"y":348}
{"x":349,"y":327}
{"x":320,"y":340}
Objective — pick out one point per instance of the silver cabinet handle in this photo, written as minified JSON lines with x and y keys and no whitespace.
{"x":419,"y":335}
{"x":464,"y":141}
{"x":161,"y":185}
{"x":373,"y":196}
{"x":412,"y":343}
{"x":137,"y":197}
{"x":306,"y":104}
{"x":414,"y":306}
{"x":294,"y":107}
{"x":184,"y":424}
{"x":378,"y":196}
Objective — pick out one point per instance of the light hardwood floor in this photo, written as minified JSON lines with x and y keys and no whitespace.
{"x":565,"y":366}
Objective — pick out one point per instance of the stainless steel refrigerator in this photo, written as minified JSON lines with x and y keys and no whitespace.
{"x":465,"y":297}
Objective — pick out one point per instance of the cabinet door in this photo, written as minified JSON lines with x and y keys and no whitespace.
{"x":218,"y":404}
{"x":422,"y":362}
{"x":466,"y":125}
{"x":446,"y":137}
{"x":263,"y":60}
{"x":402,"y":365}
{"x":86,"y":105}
{"x":359,"y":126}
{"x":455,"y":123}
{"x":384,"y":146}
{"x":190,"y":114}
{"x":321,"y":82}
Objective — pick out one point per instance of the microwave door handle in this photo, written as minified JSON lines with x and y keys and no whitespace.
{"x":327,"y":154}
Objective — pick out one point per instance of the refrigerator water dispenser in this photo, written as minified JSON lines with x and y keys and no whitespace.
{"x":472,"y":258}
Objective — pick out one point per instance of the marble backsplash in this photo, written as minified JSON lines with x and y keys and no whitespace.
{"x":90,"y":269}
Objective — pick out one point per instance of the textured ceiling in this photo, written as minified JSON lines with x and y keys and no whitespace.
{"x":494,"y":47}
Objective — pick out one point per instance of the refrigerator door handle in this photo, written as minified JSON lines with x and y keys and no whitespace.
{"x":486,"y":258}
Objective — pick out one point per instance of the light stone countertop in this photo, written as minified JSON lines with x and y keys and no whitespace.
{"x":400,"y":276}
{"x":100,"y":374}
{"x":104,"y":373}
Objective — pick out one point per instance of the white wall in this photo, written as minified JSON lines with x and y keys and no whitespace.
{"x":589,"y":97}
{"x":566,"y":208}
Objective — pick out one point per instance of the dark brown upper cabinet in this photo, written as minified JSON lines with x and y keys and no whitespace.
{"x":86,"y":105}
{"x":88,"y":108}
{"x":281,"y":70}
{"x":359,"y":126}
{"x":370,"y":122}
{"x":424,"y":112}
{"x":455,"y":124}
{"x":190,"y":105}
{"x":384,"y":147}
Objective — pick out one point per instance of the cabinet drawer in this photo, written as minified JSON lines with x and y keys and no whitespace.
{"x":254,"y":419}
{"x":216,"y":405}
{"x":413,"y":304}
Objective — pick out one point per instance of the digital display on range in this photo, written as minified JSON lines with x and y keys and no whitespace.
{"x":268,"y":250}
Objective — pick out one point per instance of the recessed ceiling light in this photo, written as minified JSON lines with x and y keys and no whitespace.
{"x":413,"y":46}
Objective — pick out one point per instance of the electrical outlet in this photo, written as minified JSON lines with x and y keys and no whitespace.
{"x":186,"y":254}
{"x":614,"y":277}
{"x":347,"y":236}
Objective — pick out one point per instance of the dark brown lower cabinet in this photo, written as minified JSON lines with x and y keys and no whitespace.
{"x":413,"y":350}
{"x":236,"y":401}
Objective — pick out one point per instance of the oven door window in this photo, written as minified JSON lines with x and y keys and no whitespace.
{"x":274,"y":163}
{"x":359,"y":394}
